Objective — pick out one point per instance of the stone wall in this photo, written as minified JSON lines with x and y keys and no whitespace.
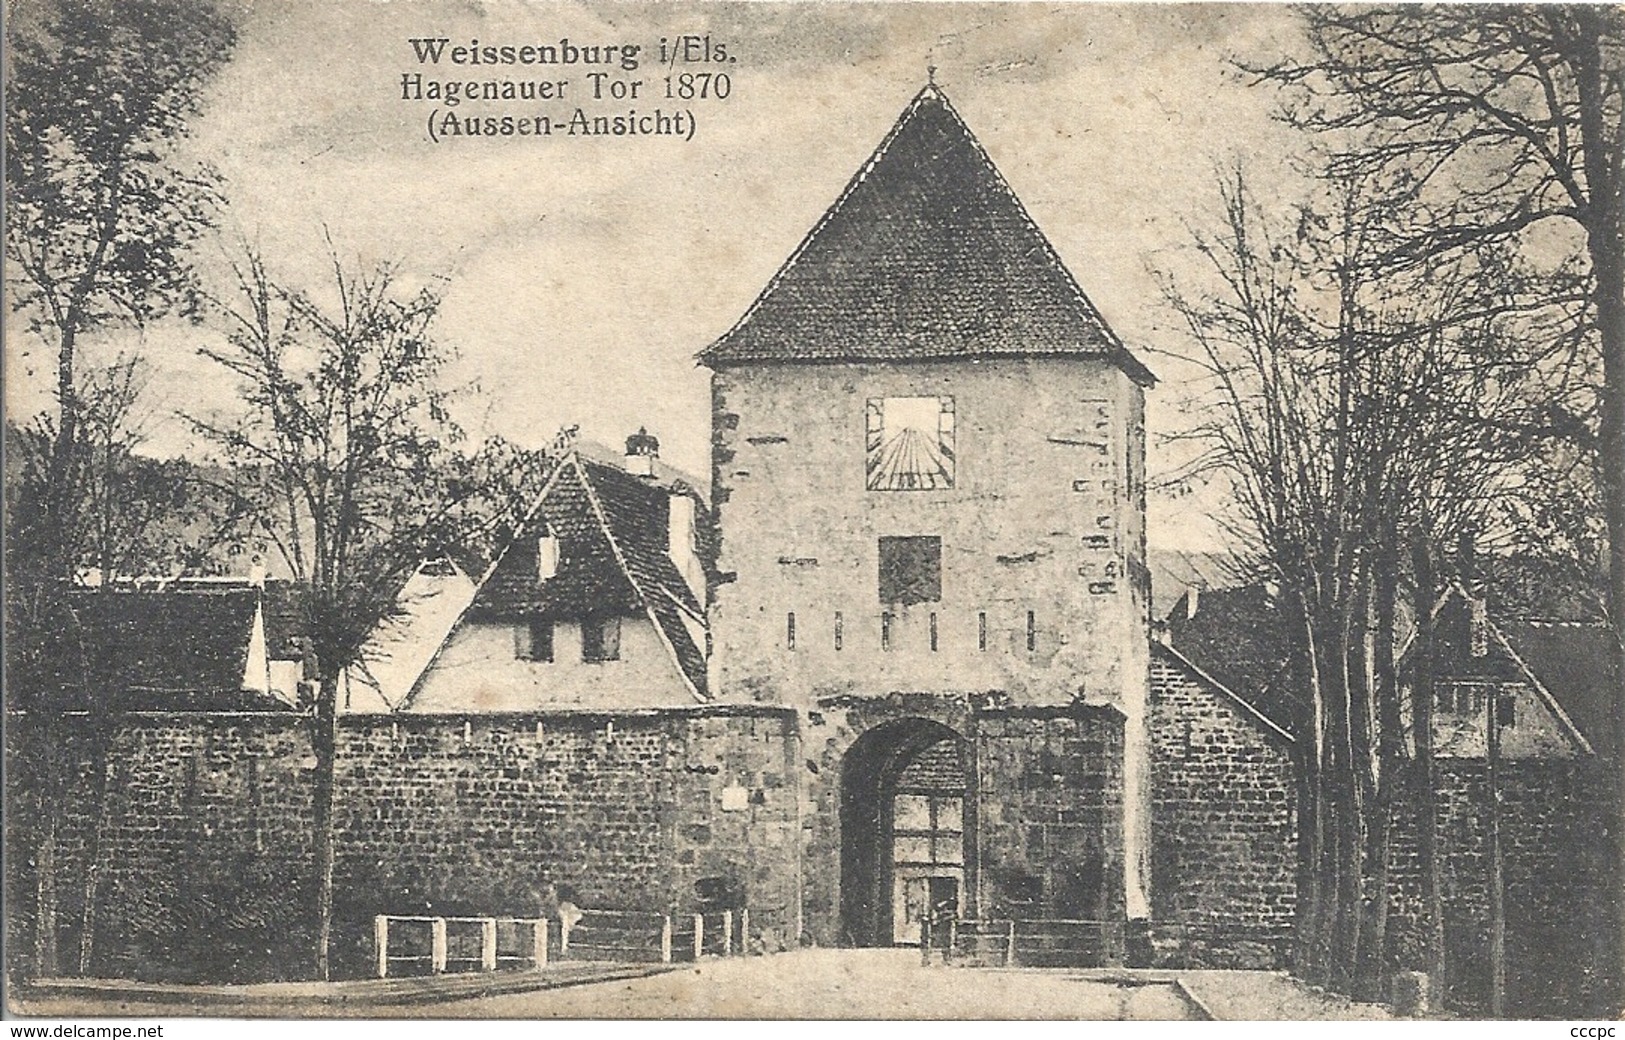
{"x":198,"y":853}
{"x":1224,"y":845}
{"x":1050,"y":813}
{"x":204,"y":861}
{"x":1553,"y":827}
{"x":505,"y":814}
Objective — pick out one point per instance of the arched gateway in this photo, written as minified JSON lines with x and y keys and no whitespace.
{"x":903,"y":801}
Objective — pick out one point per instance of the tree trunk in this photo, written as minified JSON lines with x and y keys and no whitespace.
{"x":1427,"y":823}
{"x":1604,"y":222}
{"x":1378,"y":958}
{"x":45,"y":866}
{"x":324,"y":742}
{"x":100,"y":736}
{"x":1497,"y":878}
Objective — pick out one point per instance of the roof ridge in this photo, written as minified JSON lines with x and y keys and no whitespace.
{"x":829,"y":212}
{"x":1054,"y":256}
{"x":479,"y":586}
{"x":1071,"y":323}
{"x":626,"y":569}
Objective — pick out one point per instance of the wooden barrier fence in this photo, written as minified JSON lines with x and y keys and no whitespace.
{"x":408,"y":945}
{"x":1029,"y":942}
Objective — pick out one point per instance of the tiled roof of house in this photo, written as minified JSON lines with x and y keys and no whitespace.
{"x":1235,"y":636}
{"x":169,"y":649}
{"x":1575,"y":663}
{"x":927,"y":254}
{"x":611,"y":529}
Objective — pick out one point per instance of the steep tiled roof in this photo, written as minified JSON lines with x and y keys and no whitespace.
{"x":171,"y":649}
{"x":611,"y":528}
{"x":928,"y":254}
{"x":589,"y":577}
{"x":1575,"y":663}
{"x":1235,"y":636}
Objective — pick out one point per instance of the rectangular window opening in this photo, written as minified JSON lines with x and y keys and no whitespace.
{"x":600,"y":639}
{"x":910,"y":569}
{"x":540,"y":640}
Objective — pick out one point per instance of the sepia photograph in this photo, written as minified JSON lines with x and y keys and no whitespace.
{"x":788,"y":510}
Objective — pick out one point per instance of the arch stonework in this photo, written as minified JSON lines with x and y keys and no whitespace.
{"x":1043,"y":806}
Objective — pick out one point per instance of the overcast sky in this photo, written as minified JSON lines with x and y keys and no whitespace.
{"x":585,"y":274}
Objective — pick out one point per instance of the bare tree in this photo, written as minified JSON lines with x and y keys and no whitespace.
{"x":344,"y":460}
{"x":100,"y":210}
{"x":1500,"y":124}
{"x":99,"y":214}
{"x":1337,"y":408}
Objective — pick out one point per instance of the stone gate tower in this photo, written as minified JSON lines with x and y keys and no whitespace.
{"x":928,"y":467}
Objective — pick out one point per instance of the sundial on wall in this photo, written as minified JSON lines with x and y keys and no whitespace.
{"x":910,"y":443}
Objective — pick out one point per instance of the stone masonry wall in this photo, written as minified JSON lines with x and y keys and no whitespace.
{"x":504,"y":814}
{"x":1224,"y":846}
{"x":204,"y":861}
{"x":1552,"y":832}
{"x":1050,"y":813}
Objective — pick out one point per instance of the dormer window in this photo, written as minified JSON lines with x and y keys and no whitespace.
{"x":910,"y":443}
{"x":547,"y":557}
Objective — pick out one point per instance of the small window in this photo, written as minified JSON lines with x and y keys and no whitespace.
{"x":911,"y":569}
{"x":601,"y":639}
{"x":1506,"y":709}
{"x":534,"y":641}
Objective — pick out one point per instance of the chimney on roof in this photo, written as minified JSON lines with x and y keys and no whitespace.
{"x":1467,"y":559}
{"x":682,"y":543}
{"x":1477,"y":614}
{"x":642,"y":449}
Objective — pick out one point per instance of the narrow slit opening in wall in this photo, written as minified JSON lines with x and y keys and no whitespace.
{"x":981,"y":630}
{"x":885,"y":631}
{"x":838,"y":627}
{"x":1032,"y":631}
{"x":790,"y":630}
{"x":933,"y":633}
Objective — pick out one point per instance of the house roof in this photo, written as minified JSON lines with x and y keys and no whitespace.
{"x":926,"y":255}
{"x":612,"y":535}
{"x":1235,"y":637}
{"x":1575,"y":664}
{"x":1245,"y":703}
{"x":168,"y":649}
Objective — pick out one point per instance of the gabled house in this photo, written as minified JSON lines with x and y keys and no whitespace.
{"x":1545,"y":681}
{"x":186,"y":645}
{"x":597,"y":603}
{"x":401,"y":646}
